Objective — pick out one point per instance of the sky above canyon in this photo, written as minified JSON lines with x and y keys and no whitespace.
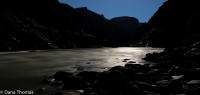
{"x":141,"y":9}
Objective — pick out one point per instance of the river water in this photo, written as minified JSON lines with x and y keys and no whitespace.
{"x":25,"y":70}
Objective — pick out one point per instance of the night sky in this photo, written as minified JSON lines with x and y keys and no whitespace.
{"x":141,"y":9}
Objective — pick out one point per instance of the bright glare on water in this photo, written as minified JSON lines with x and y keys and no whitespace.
{"x":28,"y":68}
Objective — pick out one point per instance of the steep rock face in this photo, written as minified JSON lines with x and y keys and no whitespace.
{"x":36,"y":24}
{"x":175,"y":24}
{"x":98,"y":25}
{"x":126,"y":22}
{"x":119,"y":31}
{"x":127,"y":28}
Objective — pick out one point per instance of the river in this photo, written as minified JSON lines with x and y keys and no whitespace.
{"x":25,"y":70}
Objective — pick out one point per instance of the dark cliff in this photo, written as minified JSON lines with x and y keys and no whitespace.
{"x":119,"y":31}
{"x":42,"y":24}
{"x":175,"y":24}
{"x":47,"y":24}
{"x":127,"y":29}
{"x":98,"y":25}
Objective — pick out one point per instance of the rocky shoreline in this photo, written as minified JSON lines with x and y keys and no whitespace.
{"x":171,"y":75}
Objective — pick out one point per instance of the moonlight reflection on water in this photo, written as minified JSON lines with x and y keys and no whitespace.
{"x":28,"y":67}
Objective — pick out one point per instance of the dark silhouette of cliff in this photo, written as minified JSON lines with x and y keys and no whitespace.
{"x":175,"y":24}
{"x":119,"y":31}
{"x":46,"y":24}
{"x":36,"y":24}
{"x":127,"y":29}
{"x":98,"y":25}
